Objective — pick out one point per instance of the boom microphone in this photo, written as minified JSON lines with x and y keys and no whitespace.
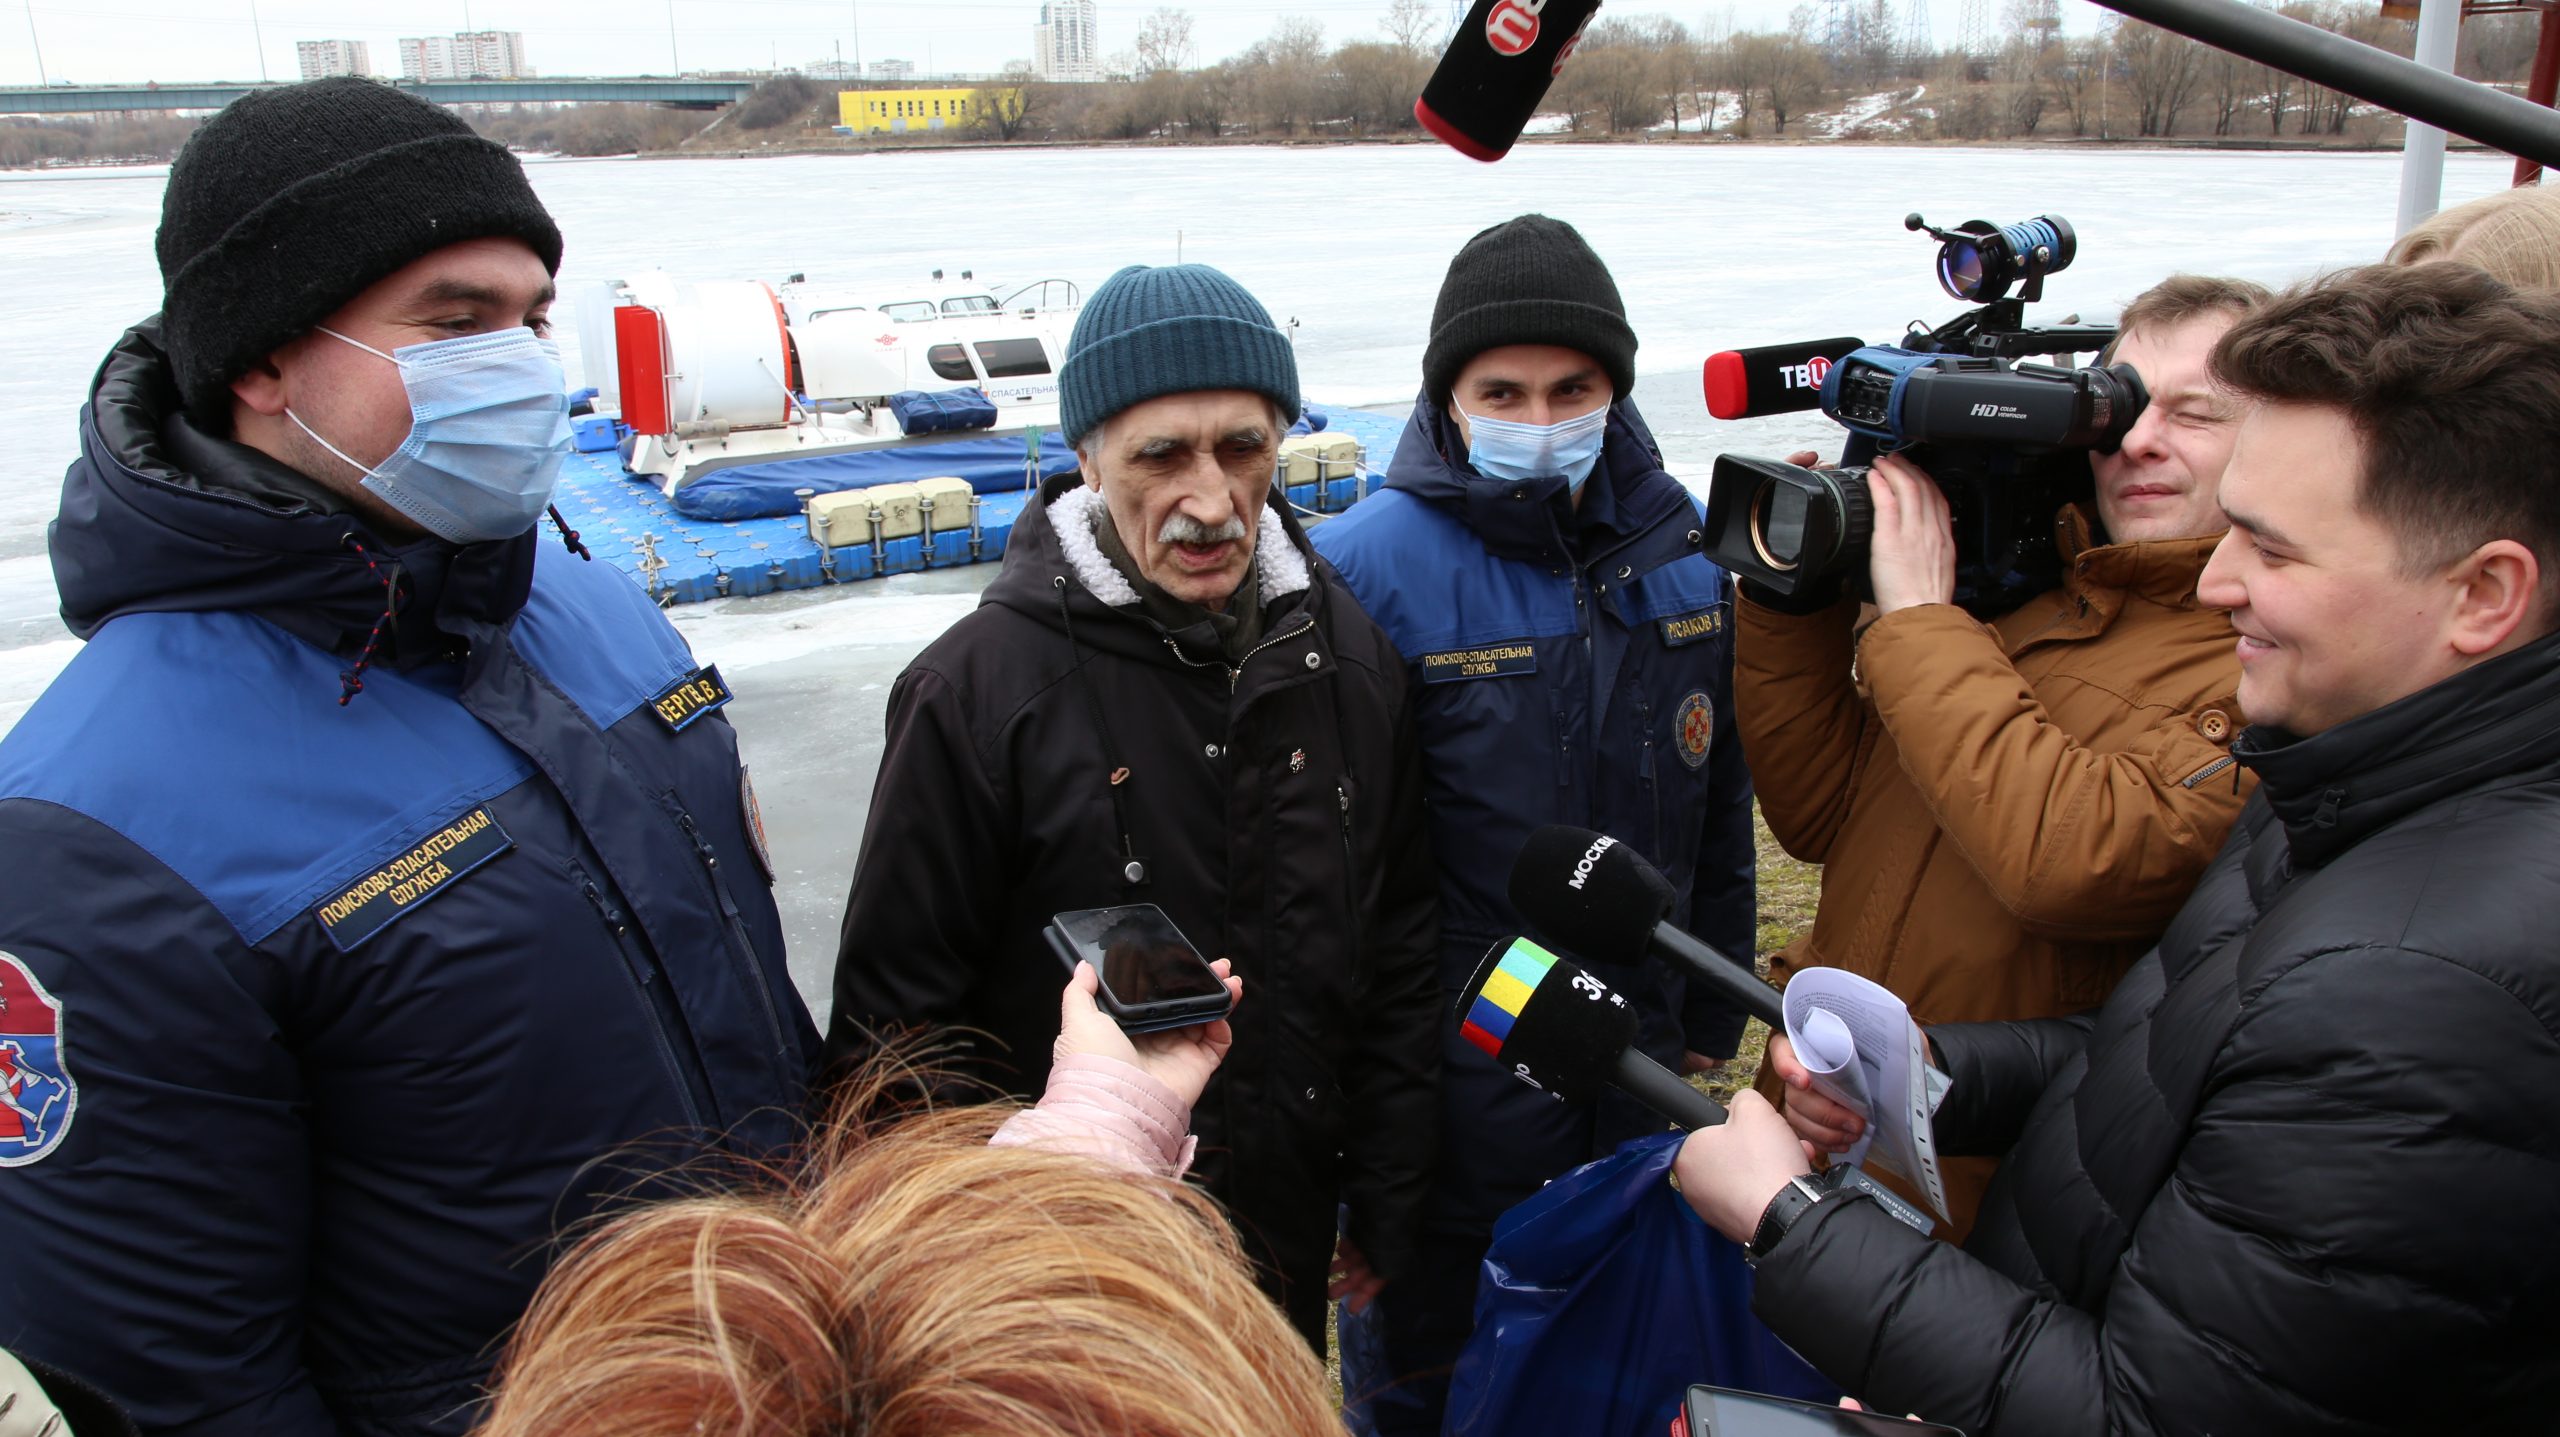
{"x":1589,"y":893}
{"x":1772,"y":379}
{"x":1497,"y":68}
{"x":1565,"y":1032}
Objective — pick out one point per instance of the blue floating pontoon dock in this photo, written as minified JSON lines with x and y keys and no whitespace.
{"x":681,"y":560}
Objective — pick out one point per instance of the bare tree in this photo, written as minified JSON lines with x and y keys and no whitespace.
{"x":1415,"y":26}
{"x":2231,"y":87}
{"x":1614,"y":77}
{"x":1208,"y":98}
{"x":1008,"y":111}
{"x":1792,"y":78}
{"x":1164,"y":42}
{"x":1285,"y":74}
{"x":1374,"y":84}
{"x":2073,"y":72}
{"x":2164,"y":71}
{"x":1675,"y":63}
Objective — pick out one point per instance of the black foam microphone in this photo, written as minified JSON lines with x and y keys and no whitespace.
{"x":1589,"y":894}
{"x":1772,"y":379}
{"x":1568,"y":1034}
{"x":1497,"y":68}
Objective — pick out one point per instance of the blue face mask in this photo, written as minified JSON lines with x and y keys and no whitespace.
{"x":489,"y":427}
{"x":1506,"y":449}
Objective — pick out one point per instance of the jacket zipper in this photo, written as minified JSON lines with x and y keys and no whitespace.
{"x":644,"y":976}
{"x":1235,"y":671}
{"x":1350,"y":876}
{"x":741,"y":947}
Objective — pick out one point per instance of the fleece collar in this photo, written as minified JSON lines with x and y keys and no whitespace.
{"x":1279,"y":569}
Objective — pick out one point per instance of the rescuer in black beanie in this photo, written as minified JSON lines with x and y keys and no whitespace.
{"x":291,"y":202}
{"x":1532,"y":280}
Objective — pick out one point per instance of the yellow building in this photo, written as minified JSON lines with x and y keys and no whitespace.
{"x":898,"y":112}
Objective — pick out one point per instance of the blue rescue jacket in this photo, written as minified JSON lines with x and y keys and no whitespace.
{"x":344,"y":1015}
{"x":1571,"y":667}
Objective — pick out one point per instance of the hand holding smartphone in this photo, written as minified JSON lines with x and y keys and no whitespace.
{"x":1152,"y":978}
{"x":1174,"y":1031}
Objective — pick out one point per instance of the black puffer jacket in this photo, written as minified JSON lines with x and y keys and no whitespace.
{"x":1278,"y":807}
{"x":2298,"y":1174}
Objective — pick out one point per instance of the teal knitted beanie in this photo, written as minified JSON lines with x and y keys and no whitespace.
{"x":1173,"y":329}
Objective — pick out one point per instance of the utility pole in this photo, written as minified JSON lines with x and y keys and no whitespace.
{"x":258,"y":36}
{"x":35,"y":40}
{"x":857,"y":35}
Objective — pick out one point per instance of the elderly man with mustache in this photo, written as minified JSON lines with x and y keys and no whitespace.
{"x":1167,"y":698}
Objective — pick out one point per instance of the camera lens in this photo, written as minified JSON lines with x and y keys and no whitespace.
{"x":1960,"y":268}
{"x":1819,"y":521}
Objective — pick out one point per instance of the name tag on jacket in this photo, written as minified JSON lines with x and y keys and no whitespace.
{"x":1493,"y":661}
{"x":1690,"y":628}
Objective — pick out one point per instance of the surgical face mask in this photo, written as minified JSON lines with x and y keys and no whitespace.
{"x":1506,"y":449}
{"x":489,"y":427}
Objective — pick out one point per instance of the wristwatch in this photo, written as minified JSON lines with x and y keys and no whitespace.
{"x":1784,"y":1212}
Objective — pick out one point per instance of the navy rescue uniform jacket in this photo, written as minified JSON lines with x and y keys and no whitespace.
{"x":330,"y":1020}
{"x":1572,"y":666}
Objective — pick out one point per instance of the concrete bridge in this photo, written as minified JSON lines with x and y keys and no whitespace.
{"x":94,"y":99}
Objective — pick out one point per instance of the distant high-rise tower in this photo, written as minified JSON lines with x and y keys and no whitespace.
{"x":322,"y":58}
{"x":1067,"y":43}
{"x":473,"y":54}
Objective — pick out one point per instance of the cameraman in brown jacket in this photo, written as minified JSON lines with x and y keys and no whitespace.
{"x":2007,"y":813}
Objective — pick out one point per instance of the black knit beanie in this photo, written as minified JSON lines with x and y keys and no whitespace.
{"x":1532,"y":280}
{"x":293,"y":201}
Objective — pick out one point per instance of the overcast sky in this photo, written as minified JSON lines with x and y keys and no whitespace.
{"x":166,"y":40}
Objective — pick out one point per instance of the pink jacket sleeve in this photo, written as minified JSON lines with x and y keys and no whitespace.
{"x":1105,"y":1108}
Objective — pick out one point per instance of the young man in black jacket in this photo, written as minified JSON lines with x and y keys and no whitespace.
{"x":2296,"y":1175}
{"x":1167,"y":698}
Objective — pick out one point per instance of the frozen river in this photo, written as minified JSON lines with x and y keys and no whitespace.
{"x":1713,"y":247}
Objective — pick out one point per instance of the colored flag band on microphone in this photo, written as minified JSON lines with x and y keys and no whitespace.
{"x":1506,"y":991}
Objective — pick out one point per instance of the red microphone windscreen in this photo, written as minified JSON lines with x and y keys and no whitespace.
{"x":1771,"y":378}
{"x":1497,"y":68}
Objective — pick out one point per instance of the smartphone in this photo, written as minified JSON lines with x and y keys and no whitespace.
{"x":1724,"y":1412}
{"x":1152,"y":978}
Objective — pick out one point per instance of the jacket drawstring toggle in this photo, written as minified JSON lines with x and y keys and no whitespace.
{"x":351,"y":680}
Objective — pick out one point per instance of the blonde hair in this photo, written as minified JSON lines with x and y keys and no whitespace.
{"x":914,"y":1282}
{"x":2513,"y":234}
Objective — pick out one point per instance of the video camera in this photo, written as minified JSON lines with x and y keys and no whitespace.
{"x":2002,"y":436}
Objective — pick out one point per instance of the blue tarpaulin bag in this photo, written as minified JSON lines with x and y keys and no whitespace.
{"x":1603,"y":1298}
{"x":942,"y":411}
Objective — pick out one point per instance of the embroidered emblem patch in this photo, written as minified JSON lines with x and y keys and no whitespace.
{"x":1689,"y":628}
{"x":755,"y":823}
{"x":1493,"y":661}
{"x":690,"y":697}
{"x":37,"y":1094}
{"x":1693,"y":727}
{"x":390,"y":892}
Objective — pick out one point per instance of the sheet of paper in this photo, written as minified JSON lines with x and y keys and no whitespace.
{"x":1829,"y":1051}
{"x":1874,"y":1060}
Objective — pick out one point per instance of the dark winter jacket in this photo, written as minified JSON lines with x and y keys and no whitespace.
{"x":333,"y":1018}
{"x":2296,"y":1176}
{"x":1277,"y":809}
{"x":1571,"y":666}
